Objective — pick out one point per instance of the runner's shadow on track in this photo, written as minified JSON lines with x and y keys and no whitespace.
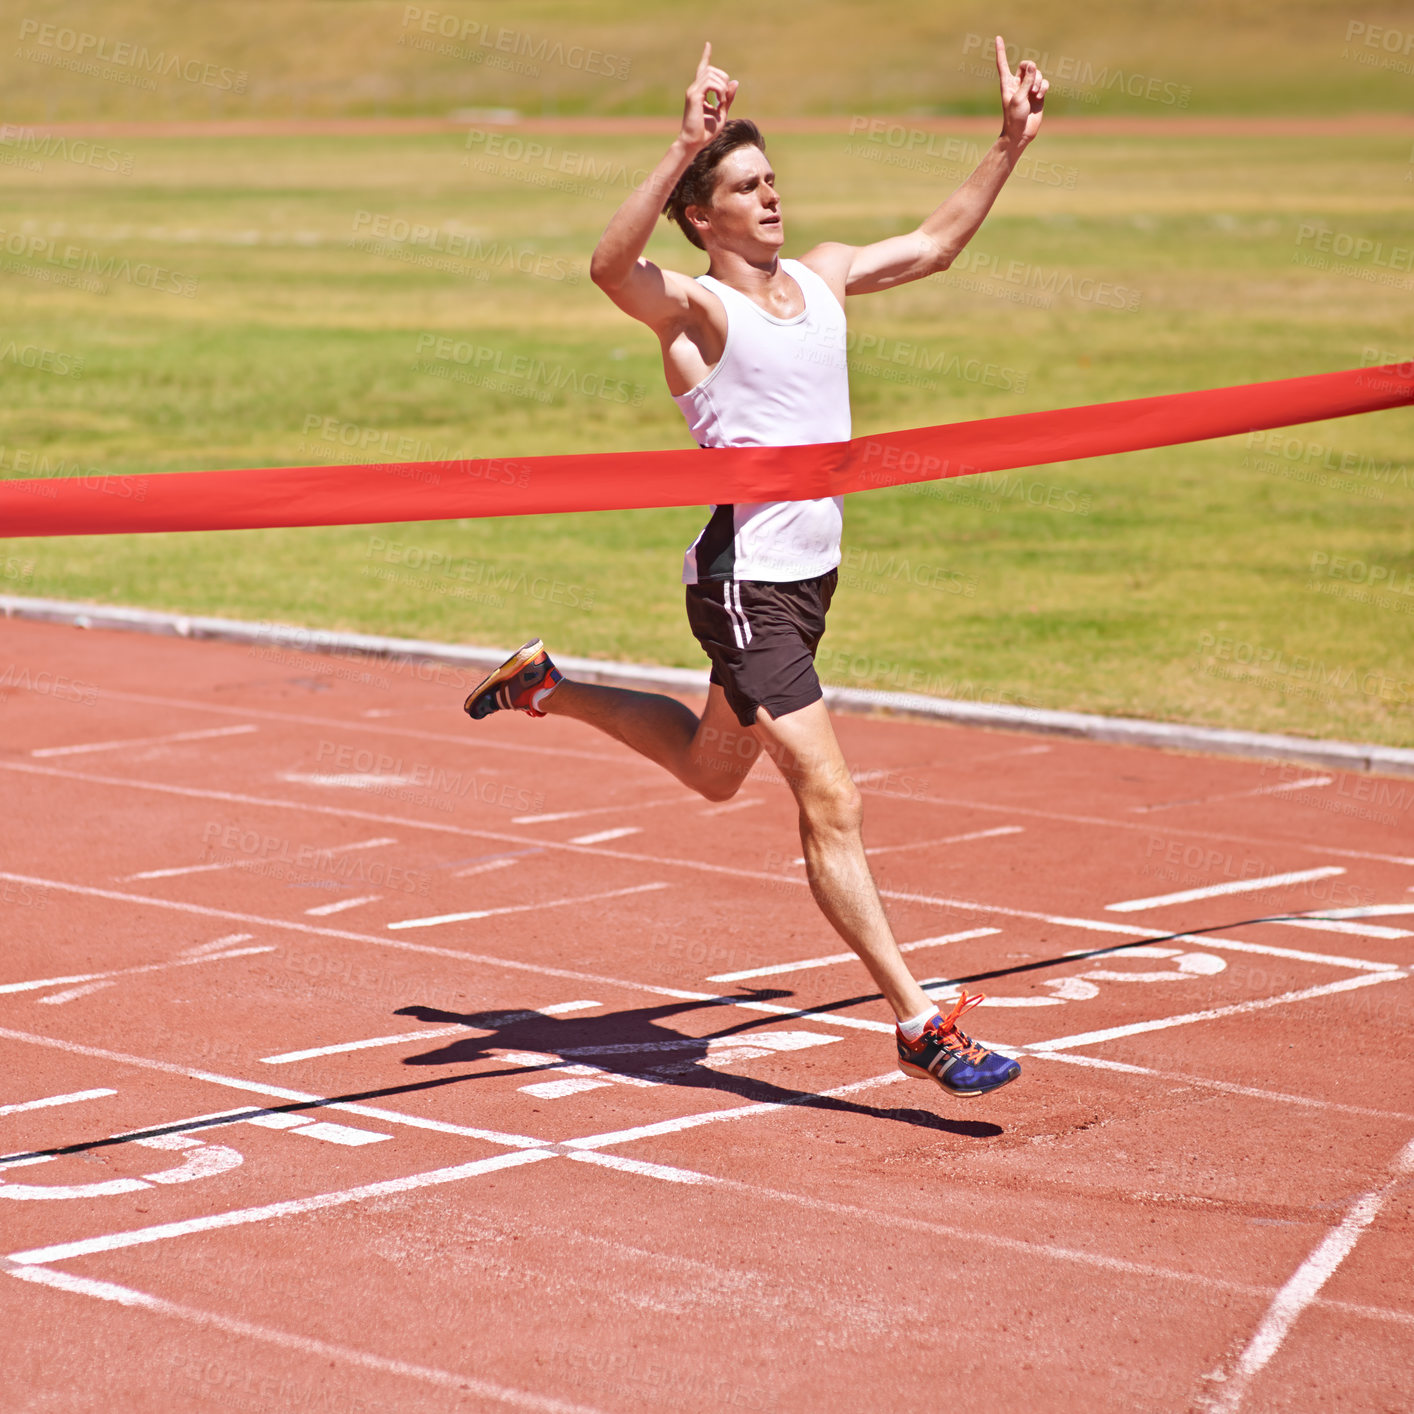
{"x":631,"y":1045}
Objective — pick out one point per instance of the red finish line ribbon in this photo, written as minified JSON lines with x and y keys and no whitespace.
{"x":606,"y":481}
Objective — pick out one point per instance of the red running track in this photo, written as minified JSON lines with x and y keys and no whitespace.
{"x":625,"y":1132}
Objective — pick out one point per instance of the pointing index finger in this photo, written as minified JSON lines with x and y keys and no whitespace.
{"x":1003,"y":68}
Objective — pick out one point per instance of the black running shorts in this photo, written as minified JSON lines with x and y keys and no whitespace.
{"x":761,"y":638}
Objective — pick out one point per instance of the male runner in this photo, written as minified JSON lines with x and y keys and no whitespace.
{"x":754,"y":354}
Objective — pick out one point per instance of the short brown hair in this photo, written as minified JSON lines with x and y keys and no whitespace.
{"x":696,"y":185}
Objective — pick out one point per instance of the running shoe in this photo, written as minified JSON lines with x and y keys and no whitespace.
{"x":521,"y":683}
{"x":955,"y":1061}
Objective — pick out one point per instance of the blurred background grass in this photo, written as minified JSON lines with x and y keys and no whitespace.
{"x":365,"y":57}
{"x":1194,"y":583}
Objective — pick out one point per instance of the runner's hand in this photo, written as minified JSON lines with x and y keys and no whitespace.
{"x":1023,"y":95}
{"x":701,"y":121}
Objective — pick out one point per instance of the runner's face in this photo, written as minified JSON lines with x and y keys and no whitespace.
{"x":745,"y":213}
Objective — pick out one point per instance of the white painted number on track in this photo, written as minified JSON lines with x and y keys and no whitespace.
{"x":201,"y":1161}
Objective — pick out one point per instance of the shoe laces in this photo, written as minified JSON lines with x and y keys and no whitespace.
{"x":946,"y":1032}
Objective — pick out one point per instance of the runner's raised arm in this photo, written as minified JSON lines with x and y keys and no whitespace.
{"x":637,"y":286}
{"x":861,"y":270}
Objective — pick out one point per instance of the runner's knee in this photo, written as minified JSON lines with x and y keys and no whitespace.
{"x":717,"y":785}
{"x":836,"y":807}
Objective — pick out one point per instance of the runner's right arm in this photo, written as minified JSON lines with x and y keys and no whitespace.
{"x":662,"y":299}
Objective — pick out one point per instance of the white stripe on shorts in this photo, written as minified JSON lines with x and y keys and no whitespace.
{"x":740,"y":627}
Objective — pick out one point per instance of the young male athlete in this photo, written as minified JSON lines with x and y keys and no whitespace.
{"x":754,"y":353}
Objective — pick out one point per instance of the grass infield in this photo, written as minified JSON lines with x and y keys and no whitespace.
{"x":249,"y":302}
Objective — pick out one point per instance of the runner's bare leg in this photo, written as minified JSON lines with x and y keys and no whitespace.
{"x":712,"y":754}
{"x":803,"y":744}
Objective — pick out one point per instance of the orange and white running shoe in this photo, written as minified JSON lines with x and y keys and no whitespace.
{"x":520,"y":684}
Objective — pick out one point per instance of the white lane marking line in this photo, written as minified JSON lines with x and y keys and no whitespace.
{"x":74,"y":993}
{"x":42,"y":982}
{"x":341,"y":905}
{"x":731,"y":806}
{"x":277,"y":1092}
{"x":558,"y":1009}
{"x":926,"y":844}
{"x":639,"y":1166}
{"x":1306,"y":784}
{"x":160,"y":1232}
{"x":558,"y":1089}
{"x":1090,"y":1038}
{"x":1064,"y":817}
{"x":351,"y":780}
{"x":1233,"y":886}
{"x":522,"y":907}
{"x":1376,"y":910}
{"x":621,"y":833}
{"x":847,"y":956}
{"x":676,"y":799}
{"x":700,"y":866}
{"x":230,"y":940}
{"x":1304,"y":1286}
{"x":346,"y":812}
{"x":485,"y":868}
{"x":461,"y":742}
{"x":481,"y":1389}
{"x":344,"y":1134}
{"x":144,"y":741}
{"x":950,"y":839}
{"x":511,"y":964}
{"x":1203,"y":1082}
{"x":1331,"y":925}
{"x":317,"y":857}
{"x":828,"y":1018}
{"x":71,"y":1099}
{"x":1208,"y":940}
{"x":426,"y":1034}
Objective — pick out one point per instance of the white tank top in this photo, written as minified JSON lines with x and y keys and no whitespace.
{"x":779,"y":383}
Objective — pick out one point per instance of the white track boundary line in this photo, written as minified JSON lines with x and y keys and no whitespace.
{"x":538,"y":969}
{"x":585,"y":1147}
{"x":523,"y":907}
{"x":55,"y":1100}
{"x":1233,"y":886}
{"x":678,"y":799}
{"x":238,"y":1217}
{"x":466,"y":741}
{"x":286,"y":1057}
{"x":1113,"y":1033}
{"x":1227,"y":1086}
{"x":318,"y":857}
{"x":950,"y":839}
{"x":305,"y":1345}
{"x":701,"y":866}
{"x":1305,"y":1285}
{"x":143,"y":741}
{"x":1103,"y":821}
{"x":631,"y":758}
{"x":834,"y":957}
{"x":372,"y":1043}
{"x":42,"y":982}
{"x":272,"y":1092}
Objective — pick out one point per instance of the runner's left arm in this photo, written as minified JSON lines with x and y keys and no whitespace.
{"x":938,"y":241}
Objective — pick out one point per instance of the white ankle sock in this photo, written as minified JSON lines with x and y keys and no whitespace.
{"x":913,"y":1028}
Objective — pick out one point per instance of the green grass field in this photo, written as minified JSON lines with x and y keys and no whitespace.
{"x":1227,"y":583}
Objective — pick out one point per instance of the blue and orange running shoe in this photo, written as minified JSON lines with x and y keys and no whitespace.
{"x":955,"y":1061}
{"x":521,"y":684}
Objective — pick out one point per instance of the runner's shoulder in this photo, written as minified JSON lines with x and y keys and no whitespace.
{"x":830,"y":260}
